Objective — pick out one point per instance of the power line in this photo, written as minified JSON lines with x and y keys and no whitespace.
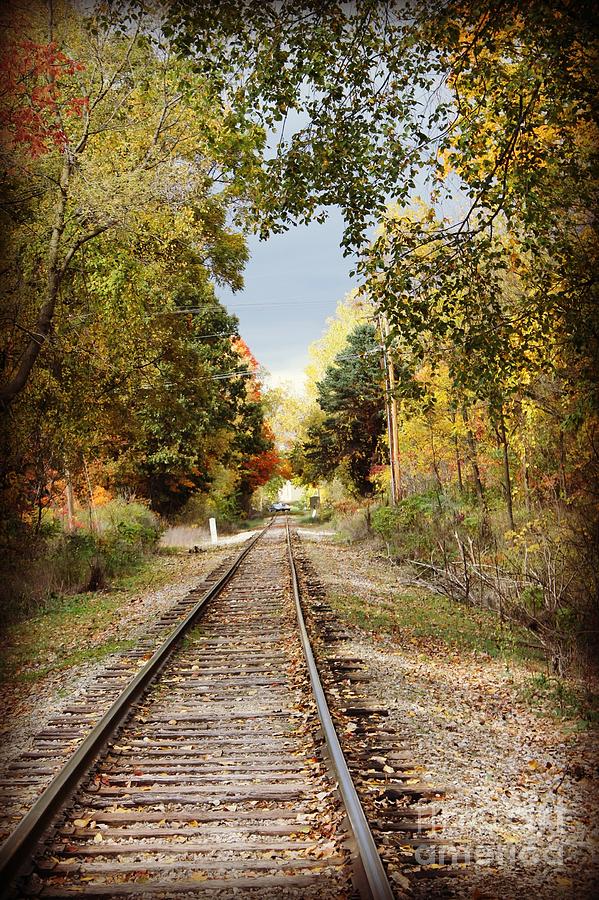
{"x":259,"y":304}
{"x":216,"y":334}
{"x":376,"y":349}
{"x":242,"y":372}
{"x":245,"y":373}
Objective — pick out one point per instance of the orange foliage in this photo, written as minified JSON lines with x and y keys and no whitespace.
{"x":100,"y":496}
{"x":246,"y":355}
{"x":240,"y":347}
{"x":32,"y":102}
{"x":260,"y":468}
{"x":285,"y":470}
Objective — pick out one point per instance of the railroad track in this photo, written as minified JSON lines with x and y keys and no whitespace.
{"x":208,"y":775}
{"x":26,"y":777}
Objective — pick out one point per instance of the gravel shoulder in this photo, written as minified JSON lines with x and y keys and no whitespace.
{"x":522,"y":787}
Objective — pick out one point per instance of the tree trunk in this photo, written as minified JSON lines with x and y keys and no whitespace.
{"x":562,"y":466}
{"x":478,"y":484}
{"x":436,"y":466}
{"x":526,"y":481}
{"x":40,"y":507}
{"x":70,"y":501}
{"x":44,"y":321}
{"x":459,"y":466}
{"x":507,"y":481}
{"x":395,"y":429}
{"x":458,"y":460}
{"x":393,"y":491}
{"x":391,"y":409}
{"x":93,"y":517}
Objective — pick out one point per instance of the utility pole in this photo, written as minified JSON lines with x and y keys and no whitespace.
{"x":391,"y":407}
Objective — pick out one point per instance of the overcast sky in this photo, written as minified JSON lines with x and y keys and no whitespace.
{"x":292,"y":283}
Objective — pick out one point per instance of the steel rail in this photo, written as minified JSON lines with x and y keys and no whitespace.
{"x":374,"y":872}
{"x":17,"y":849}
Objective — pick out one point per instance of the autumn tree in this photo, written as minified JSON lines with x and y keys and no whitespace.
{"x":253,"y":447}
{"x":351,"y":397}
{"x":117,"y":204}
{"x":105,"y":130}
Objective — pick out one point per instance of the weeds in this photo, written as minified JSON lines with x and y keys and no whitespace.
{"x":528,"y":576}
{"x":561,"y":699}
{"x":36,"y":568}
{"x":420,"y":616}
{"x":323,"y":514}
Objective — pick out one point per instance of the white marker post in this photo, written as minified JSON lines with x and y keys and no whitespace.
{"x":213,"y":534}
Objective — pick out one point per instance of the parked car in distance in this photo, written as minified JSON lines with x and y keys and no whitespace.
{"x":279,"y":507}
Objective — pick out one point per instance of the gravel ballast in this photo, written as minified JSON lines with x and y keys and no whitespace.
{"x":522,"y":788}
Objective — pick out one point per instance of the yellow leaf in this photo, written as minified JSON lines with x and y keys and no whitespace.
{"x":509,"y":837}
